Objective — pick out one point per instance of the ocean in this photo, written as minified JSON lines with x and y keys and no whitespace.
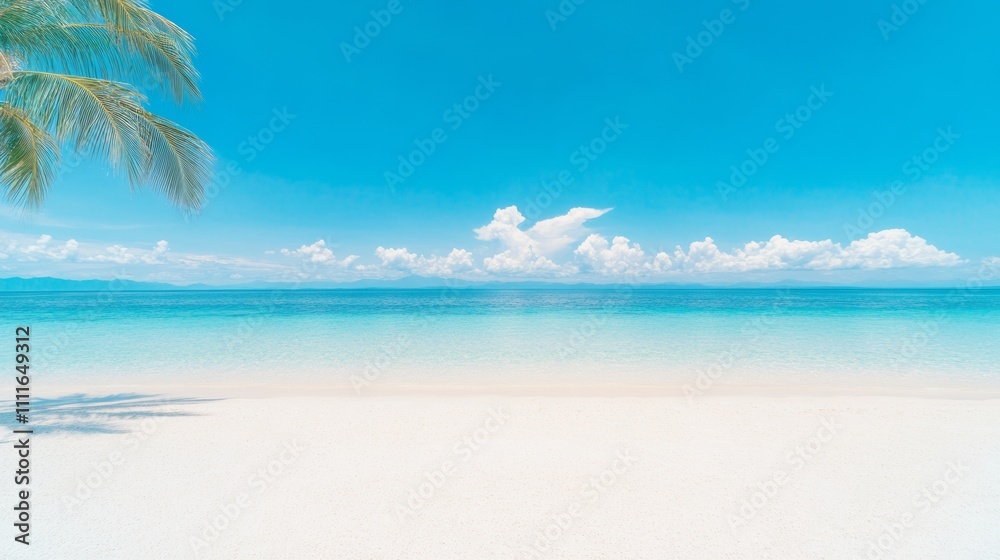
{"x":623,"y":335}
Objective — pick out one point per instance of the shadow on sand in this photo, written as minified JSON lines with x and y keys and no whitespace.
{"x":88,"y":414}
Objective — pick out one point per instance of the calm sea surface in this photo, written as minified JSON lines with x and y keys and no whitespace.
{"x":502,"y":336}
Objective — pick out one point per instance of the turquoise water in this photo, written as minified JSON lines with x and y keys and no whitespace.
{"x":502,"y":336}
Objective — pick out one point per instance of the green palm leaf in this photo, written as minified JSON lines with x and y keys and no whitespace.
{"x":97,"y":115}
{"x":19,"y":17}
{"x":179,"y":164}
{"x":29,"y":157}
{"x":131,"y":15}
{"x":73,"y":72}
{"x":152,"y":59}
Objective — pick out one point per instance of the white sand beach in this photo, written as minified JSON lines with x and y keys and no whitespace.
{"x":463,"y":475}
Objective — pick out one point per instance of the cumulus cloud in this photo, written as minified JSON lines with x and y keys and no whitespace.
{"x":44,"y":249}
{"x":319,"y":253}
{"x":154,"y":256}
{"x":557,"y":247}
{"x":884,"y":249}
{"x":523,"y":261}
{"x":544,"y":238}
{"x":896,"y":247}
{"x":119,"y":254}
{"x":618,"y":257}
{"x":115,"y":254}
{"x":546,"y":250}
{"x":396,"y":258}
{"x":531,"y":251}
{"x":458,"y":260}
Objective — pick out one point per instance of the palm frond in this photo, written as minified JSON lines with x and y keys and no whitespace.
{"x":179,"y":165}
{"x":65,"y":73}
{"x":7,"y":67}
{"x":131,"y":15}
{"x":99,"y":115}
{"x":150,"y":58}
{"x":29,"y":158}
{"x":18,"y":17}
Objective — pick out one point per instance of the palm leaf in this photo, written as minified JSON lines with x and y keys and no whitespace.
{"x":29,"y":158}
{"x":18,"y":17}
{"x":98,"y":115}
{"x":132,"y":15}
{"x":152,"y":58}
{"x":7,"y":67}
{"x":179,"y":164}
{"x":63,"y":68}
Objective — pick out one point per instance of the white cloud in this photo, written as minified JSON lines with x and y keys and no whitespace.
{"x":884,"y":249}
{"x":319,"y":253}
{"x":153,"y":257}
{"x":531,"y":251}
{"x":554,"y":234}
{"x":119,"y":254}
{"x":896,"y":247}
{"x":557,"y":247}
{"x":619,"y":257}
{"x":661,"y":263}
{"x":524,"y":262}
{"x":43,"y":249}
{"x":458,"y":260}
{"x":396,"y":258}
{"x":115,"y":254}
{"x":544,"y":238}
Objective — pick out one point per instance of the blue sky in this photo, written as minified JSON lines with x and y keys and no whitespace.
{"x":865,"y":98}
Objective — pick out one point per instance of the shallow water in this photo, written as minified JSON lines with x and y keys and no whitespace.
{"x":476,"y":336}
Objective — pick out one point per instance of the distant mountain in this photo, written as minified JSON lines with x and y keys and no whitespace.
{"x":46,"y":284}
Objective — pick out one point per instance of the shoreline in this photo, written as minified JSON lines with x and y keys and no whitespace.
{"x":691,"y":392}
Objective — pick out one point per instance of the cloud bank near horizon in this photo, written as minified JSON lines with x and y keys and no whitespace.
{"x":559,"y":247}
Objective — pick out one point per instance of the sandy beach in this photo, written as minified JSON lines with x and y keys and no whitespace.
{"x":464,"y":475}
{"x":561,"y":280}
